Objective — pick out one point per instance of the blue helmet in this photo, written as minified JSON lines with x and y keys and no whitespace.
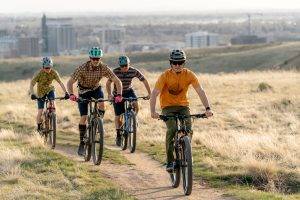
{"x":47,"y":61}
{"x":95,"y":52}
{"x":124,"y":60}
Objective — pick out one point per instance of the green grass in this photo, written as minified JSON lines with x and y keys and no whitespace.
{"x":50,"y":175}
{"x":224,"y":175}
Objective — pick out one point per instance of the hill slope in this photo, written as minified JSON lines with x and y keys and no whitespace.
{"x":209,"y":60}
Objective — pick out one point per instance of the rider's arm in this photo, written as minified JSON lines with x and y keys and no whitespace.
{"x":57,"y":78}
{"x":201,"y":93}
{"x":147,"y":86}
{"x":118,"y":83}
{"x":153,"y":98}
{"x":32,"y":83}
{"x":70,"y":85}
{"x":108,"y":87}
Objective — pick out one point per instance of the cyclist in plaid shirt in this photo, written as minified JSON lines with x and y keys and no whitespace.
{"x":88,"y":77}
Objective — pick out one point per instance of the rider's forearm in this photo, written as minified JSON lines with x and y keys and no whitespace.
{"x":147,"y":86}
{"x":70,"y":86}
{"x":31,"y":87}
{"x":62,"y":86}
{"x":202,"y":95}
{"x":153,"y":97}
{"x":118,"y":84}
{"x":108,"y":87}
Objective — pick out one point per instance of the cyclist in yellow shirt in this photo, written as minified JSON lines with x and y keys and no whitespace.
{"x":172,"y":85}
{"x":44,"y":78}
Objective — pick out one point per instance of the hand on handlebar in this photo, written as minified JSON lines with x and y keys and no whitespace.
{"x":118,"y":98}
{"x":209,"y":113}
{"x":67,"y":96}
{"x":73,"y":97}
{"x":154,"y":115}
{"x":33,"y":97}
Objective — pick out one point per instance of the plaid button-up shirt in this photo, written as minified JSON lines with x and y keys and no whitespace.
{"x":89,"y":76}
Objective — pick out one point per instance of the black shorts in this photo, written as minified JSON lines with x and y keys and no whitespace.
{"x":96,"y":94}
{"x":120,"y":107}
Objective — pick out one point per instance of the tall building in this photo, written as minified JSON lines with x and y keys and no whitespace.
{"x":7,"y":47}
{"x":44,"y":35}
{"x":58,"y":35}
{"x":201,"y":39}
{"x":28,"y":46}
{"x":111,"y":39}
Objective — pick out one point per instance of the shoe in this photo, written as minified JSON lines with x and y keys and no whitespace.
{"x":170,"y":167}
{"x":118,"y":140}
{"x":81,"y":149}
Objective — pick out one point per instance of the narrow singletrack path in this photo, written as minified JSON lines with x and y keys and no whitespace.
{"x":146,"y":178}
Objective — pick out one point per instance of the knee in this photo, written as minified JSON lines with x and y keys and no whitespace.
{"x":101,"y":105}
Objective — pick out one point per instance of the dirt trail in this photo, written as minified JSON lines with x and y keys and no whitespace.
{"x":146,"y":179}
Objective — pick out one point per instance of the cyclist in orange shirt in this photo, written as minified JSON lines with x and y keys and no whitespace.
{"x":172,"y":85}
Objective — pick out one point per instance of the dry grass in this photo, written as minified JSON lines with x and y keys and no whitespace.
{"x":259,"y":130}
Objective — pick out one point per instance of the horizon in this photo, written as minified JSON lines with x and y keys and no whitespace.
{"x":146,"y":6}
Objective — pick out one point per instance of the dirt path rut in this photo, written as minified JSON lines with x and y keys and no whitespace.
{"x":146,"y":179}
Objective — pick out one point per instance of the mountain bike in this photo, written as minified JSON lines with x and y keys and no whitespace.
{"x":48,"y":126}
{"x":94,"y":136}
{"x":182,"y":152}
{"x":128,"y":129}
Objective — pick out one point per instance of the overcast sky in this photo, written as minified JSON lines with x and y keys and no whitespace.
{"x":37,"y":6}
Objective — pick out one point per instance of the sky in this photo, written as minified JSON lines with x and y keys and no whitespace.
{"x":132,"y":6}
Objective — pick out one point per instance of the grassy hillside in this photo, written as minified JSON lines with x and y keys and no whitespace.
{"x":250,"y":147}
{"x":209,"y":60}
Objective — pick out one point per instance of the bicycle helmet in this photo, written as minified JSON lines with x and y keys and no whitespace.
{"x":124,"y":60}
{"x":47,"y":61}
{"x":95,"y":52}
{"x":177,"y":55}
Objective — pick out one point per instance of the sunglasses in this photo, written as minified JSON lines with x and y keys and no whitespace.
{"x":177,"y":62}
{"x":123,"y":66}
{"x":47,"y":67}
{"x":95,"y":59}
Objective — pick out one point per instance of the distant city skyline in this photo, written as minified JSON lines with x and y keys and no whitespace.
{"x":131,"y":6}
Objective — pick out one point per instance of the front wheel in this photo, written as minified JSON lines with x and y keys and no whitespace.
{"x":175,"y":174}
{"x":52,"y":130}
{"x":97,"y":141}
{"x":132,"y":134}
{"x":187,"y":166}
{"x":87,"y":145}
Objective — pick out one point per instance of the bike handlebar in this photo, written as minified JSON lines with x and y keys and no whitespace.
{"x":194,"y":116}
{"x":93,"y":100}
{"x":47,"y":99}
{"x":134,"y":99}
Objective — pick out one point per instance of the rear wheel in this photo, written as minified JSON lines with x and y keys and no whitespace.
{"x":87,"y":145}
{"x":97,"y":141}
{"x":52,"y":130}
{"x":132,"y":134}
{"x":187,"y":166}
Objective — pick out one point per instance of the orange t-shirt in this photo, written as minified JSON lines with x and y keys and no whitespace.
{"x":174,"y":86}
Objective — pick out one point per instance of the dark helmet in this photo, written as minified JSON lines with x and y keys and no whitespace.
{"x":177,"y":55}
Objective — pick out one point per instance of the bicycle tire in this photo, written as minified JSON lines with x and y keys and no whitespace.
{"x":132,"y":135}
{"x":187,"y":167}
{"x":46,"y":128}
{"x":87,"y":145}
{"x":52,"y":130}
{"x":175,"y":175}
{"x":97,"y":141}
{"x":124,"y":140}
